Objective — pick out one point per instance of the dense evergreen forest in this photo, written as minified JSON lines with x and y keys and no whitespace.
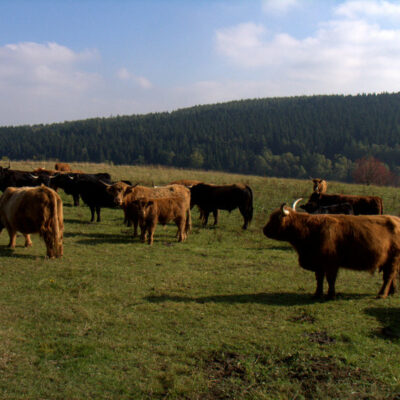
{"x":285,"y":137}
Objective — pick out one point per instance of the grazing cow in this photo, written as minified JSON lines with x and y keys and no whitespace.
{"x":33,"y":210}
{"x":124,"y":196}
{"x":319,"y":185}
{"x":15,"y":178}
{"x":211,"y":198}
{"x":62,"y":167}
{"x":325,"y":243}
{"x":362,"y":205}
{"x":162,"y":210}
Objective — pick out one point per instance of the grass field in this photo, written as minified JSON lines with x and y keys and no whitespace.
{"x":228,"y":314}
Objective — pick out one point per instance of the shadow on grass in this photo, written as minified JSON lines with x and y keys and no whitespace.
{"x":97,"y":238}
{"x":278,"y":299}
{"x":77,"y":221}
{"x":6,"y":252}
{"x":389,"y":317}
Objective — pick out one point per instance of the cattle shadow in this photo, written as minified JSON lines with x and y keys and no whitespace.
{"x":274,"y":299}
{"x":389,"y":318}
{"x":93,"y":239}
{"x":6,"y":252}
{"x":78,"y":221}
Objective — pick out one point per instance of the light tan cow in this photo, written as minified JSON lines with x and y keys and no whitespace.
{"x":33,"y":210}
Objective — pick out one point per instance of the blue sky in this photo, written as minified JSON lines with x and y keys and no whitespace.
{"x":68,"y":59}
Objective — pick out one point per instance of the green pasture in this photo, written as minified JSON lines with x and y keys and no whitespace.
{"x":228,"y":314}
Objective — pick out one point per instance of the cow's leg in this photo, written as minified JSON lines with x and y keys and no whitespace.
{"x":181,"y":222}
{"x":13,"y":237}
{"x":76,"y":200}
{"x":244,"y":215}
{"x":205,"y":215}
{"x":215,"y":213}
{"x":331,"y":275}
{"x":92,"y":212}
{"x":389,"y":276}
{"x":151,"y":230}
{"x":319,"y":276}
{"x":28,"y":241}
{"x":98,"y":209}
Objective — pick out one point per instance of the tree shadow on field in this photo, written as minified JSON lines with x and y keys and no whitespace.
{"x":6,"y":252}
{"x":389,"y":317}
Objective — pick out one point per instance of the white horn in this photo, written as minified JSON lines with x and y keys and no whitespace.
{"x":296,"y":202}
{"x":284,"y":211}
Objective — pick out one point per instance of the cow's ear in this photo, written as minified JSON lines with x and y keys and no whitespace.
{"x":284,"y":210}
{"x":150,"y":203}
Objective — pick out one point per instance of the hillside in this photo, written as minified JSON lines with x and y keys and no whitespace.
{"x":283,"y":137}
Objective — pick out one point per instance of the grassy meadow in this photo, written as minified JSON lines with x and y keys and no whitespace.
{"x":228,"y":314}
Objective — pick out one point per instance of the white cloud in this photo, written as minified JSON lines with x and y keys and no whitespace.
{"x":343,"y":56}
{"x":369,"y":8}
{"x":278,"y":6}
{"x":124,"y":75}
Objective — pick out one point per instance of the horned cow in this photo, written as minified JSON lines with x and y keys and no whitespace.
{"x":325,"y":243}
{"x":33,"y":210}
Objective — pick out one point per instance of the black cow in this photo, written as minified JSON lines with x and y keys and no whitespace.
{"x":15,"y":178}
{"x":362,"y":205}
{"x":211,"y":198}
{"x":68,"y":182}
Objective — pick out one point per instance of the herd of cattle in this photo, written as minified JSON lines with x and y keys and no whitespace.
{"x":335,"y":231}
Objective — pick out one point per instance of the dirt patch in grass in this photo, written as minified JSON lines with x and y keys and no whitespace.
{"x":304,"y":317}
{"x":320,"y":337}
{"x":322,"y":376}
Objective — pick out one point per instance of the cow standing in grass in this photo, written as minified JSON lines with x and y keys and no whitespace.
{"x":59,"y":166}
{"x":162,"y":210}
{"x":319,"y":185}
{"x":125,"y":195}
{"x":325,"y":243}
{"x":33,"y":210}
{"x":211,"y":198}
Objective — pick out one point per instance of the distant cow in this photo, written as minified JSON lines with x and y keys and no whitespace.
{"x":162,"y":210}
{"x":16,"y":178}
{"x":62,"y":167}
{"x":362,"y":205}
{"x":33,"y":210}
{"x":319,"y":185}
{"x":124,"y":195}
{"x":342,"y":208}
{"x":325,"y":243}
{"x":223,"y":197}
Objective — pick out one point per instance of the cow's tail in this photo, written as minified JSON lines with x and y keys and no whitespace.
{"x":52,"y":229}
{"x":248,"y":206}
{"x":381,"y":206}
{"x":188,"y":226}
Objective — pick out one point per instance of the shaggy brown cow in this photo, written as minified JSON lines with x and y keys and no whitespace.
{"x":325,"y":243}
{"x":362,"y":205}
{"x":33,"y":210}
{"x":319,"y":185}
{"x":211,"y":198}
{"x":125,"y":195}
{"x":162,"y":210}
{"x":62,"y":167}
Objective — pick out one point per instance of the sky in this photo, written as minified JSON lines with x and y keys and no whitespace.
{"x":63,"y":60}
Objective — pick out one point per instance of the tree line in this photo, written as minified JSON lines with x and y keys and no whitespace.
{"x":298,"y":137}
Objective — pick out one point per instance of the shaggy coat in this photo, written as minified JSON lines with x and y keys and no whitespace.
{"x":343,"y":208}
{"x":125,"y":195}
{"x":211,"y":198}
{"x":325,"y":243}
{"x":362,"y":205}
{"x":319,"y":185}
{"x":163,"y":210}
{"x":33,"y":210}
{"x":62,"y":167}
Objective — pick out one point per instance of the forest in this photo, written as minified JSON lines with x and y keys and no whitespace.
{"x":297,"y":137}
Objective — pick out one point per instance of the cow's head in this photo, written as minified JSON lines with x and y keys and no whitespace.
{"x":277,"y":223}
{"x":118,"y":191}
{"x":313,"y":203}
{"x":143,"y":207}
{"x":319,"y":185}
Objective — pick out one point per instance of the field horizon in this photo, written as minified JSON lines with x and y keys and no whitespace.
{"x":227,"y":314}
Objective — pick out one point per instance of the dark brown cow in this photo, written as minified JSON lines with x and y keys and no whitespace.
{"x":186,"y":182}
{"x":210,"y":198}
{"x":342,"y":208}
{"x":33,"y":210}
{"x":325,"y":243}
{"x":125,"y":195}
{"x":319,"y":185}
{"x":62,"y":167}
{"x":162,"y":210}
{"x":362,"y":205}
